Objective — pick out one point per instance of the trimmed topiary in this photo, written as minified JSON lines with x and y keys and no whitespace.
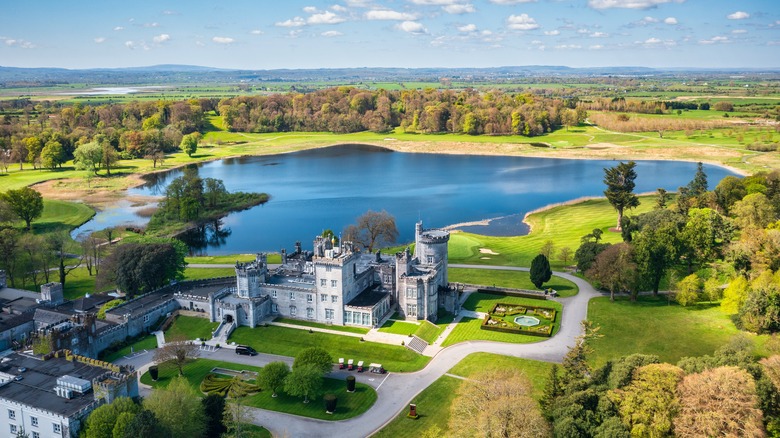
{"x":330,"y":403}
{"x":154,"y":372}
{"x":350,"y":383}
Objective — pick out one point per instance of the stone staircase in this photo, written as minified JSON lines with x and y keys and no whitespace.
{"x":416,"y":344}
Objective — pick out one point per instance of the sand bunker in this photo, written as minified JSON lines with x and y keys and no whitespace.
{"x":487,"y":251}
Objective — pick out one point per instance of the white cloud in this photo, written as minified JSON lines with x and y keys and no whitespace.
{"x":338,"y":8}
{"x":511,"y":2}
{"x":649,"y":19}
{"x":521,"y":22}
{"x":169,"y":12}
{"x":595,"y":47}
{"x":331,"y":33}
{"x":358,"y":3}
{"x":568,"y":47}
{"x":390,"y":15}
{"x":628,"y":4}
{"x":715,"y":40}
{"x":599,"y":35}
{"x":293,"y":22}
{"x":155,"y":24}
{"x":552,"y":32}
{"x":256,"y":32}
{"x":460,"y":9}
{"x":413,"y":27}
{"x":582,"y":31}
{"x":159,"y":39}
{"x":652,"y":41}
{"x":436,"y":2}
{"x":468,"y":28}
{"x":13,"y":42}
{"x":223,"y":40}
{"x":100,"y":40}
{"x":310,"y":9}
{"x":739,"y":15}
{"x":130,"y":45}
{"x":326,"y":17}
{"x":738,"y":31}
{"x":670,"y":20}
{"x":294,"y":33}
{"x":118,"y":28}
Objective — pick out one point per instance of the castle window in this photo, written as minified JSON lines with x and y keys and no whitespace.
{"x":34,"y":421}
{"x":430,"y":259}
{"x":292,"y":296}
{"x":334,"y":283}
{"x":146,"y":318}
{"x":12,"y":414}
{"x":13,"y":429}
{"x":323,"y":282}
{"x":366,"y":318}
{"x":388,"y":278}
{"x":309,"y":312}
{"x":273,"y":294}
{"x":328,"y":313}
{"x":411,"y":292}
{"x":36,"y":435}
{"x":348,"y":317}
{"x":411,"y":310}
{"x":293,"y":310}
{"x":274,"y":308}
{"x":334,"y":298}
{"x":56,"y":428}
{"x":328,"y":268}
{"x":309,"y":298}
{"x":323,"y":298}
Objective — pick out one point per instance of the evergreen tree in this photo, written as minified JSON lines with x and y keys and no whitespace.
{"x":540,"y":271}
{"x":620,"y":188}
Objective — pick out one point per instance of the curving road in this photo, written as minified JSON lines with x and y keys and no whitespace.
{"x":395,"y":391}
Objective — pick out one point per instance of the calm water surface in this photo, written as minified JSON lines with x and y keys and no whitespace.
{"x":328,"y":188}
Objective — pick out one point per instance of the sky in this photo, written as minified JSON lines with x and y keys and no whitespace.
{"x":273,"y":34}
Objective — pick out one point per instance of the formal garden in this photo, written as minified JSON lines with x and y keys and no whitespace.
{"x":520,"y":319}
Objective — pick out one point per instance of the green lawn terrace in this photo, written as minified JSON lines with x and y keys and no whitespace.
{"x":527,"y":320}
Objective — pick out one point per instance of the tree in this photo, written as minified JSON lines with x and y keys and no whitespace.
{"x":728,"y":191}
{"x":145,"y":424}
{"x":615,"y":270}
{"x":688,"y":290}
{"x":9,"y":249}
{"x":649,"y":403}
{"x":178,"y":408}
{"x":540,"y":271}
{"x":372,"y":229}
{"x":760,"y":313}
{"x":303,"y":381}
{"x":586,"y":254}
{"x":496,"y":404}
{"x":101,"y":422}
{"x":143,"y":267}
{"x":734,"y":295}
{"x":189,"y":143}
{"x":214,"y":410}
{"x":272,"y":376}
{"x":698,"y":185}
{"x":565,"y":254}
{"x":315,"y":356}
{"x":60,"y":244}
{"x":109,"y":156}
{"x":718,"y":402}
{"x":26,"y":203}
{"x":548,"y":250}
{"x":575,"y":363}
{"x":704,"y":236}
{"x":88,"y":156}
{"x":662,"y":199}
{"x":620,"y":188}
{"x":656,"y":249}
{"x":177,"y":350}
{"x":236,"y":414}
{"x":552,"y":390}
{"x":52,"y":155}
{"x":754,"y":210}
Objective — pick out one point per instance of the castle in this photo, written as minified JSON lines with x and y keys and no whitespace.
{"x":337,"y":284}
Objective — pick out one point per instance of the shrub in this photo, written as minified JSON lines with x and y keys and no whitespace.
{"x":330,"y":403}
{"x":154,"y":372}
{"x":350,"y":383}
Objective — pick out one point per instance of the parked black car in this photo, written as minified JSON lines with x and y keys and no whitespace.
{"x":246,"y":350}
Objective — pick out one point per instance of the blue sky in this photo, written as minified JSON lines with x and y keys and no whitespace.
{"x":269,"y":34}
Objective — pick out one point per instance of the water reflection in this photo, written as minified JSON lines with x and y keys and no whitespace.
{"x":206,"y":236}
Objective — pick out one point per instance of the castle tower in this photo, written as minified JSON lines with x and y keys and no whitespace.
{"x":52,"y":292}
{"x":249,"y":276}
{"x":431,"y":248}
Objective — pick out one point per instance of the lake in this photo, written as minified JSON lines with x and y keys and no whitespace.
{"x":329,"y":188}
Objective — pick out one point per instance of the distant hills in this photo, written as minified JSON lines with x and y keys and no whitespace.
{"x":174,"y":73}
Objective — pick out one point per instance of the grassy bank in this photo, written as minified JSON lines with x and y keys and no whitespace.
{"x":511,"y":279}
{"x":289,"y":342}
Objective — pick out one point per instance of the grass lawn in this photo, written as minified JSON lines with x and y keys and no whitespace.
{"x":652,"y":326}
{"x":512,"y":279}
{"x":201,"y":273}
{"x":428,"y":331}
{"x":399,"y":327}
{"x":349,"y":405}
{"x":190,"y":327}
{"x":148,"y":342}
{"x":273,"y":258}
{"x":340,"y":328}
{"x":564,"y":225}
{"x":468,"y":329}
{"x":433,"y":403}
{"x":289,"y":342}
{"x":61,"y":215}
